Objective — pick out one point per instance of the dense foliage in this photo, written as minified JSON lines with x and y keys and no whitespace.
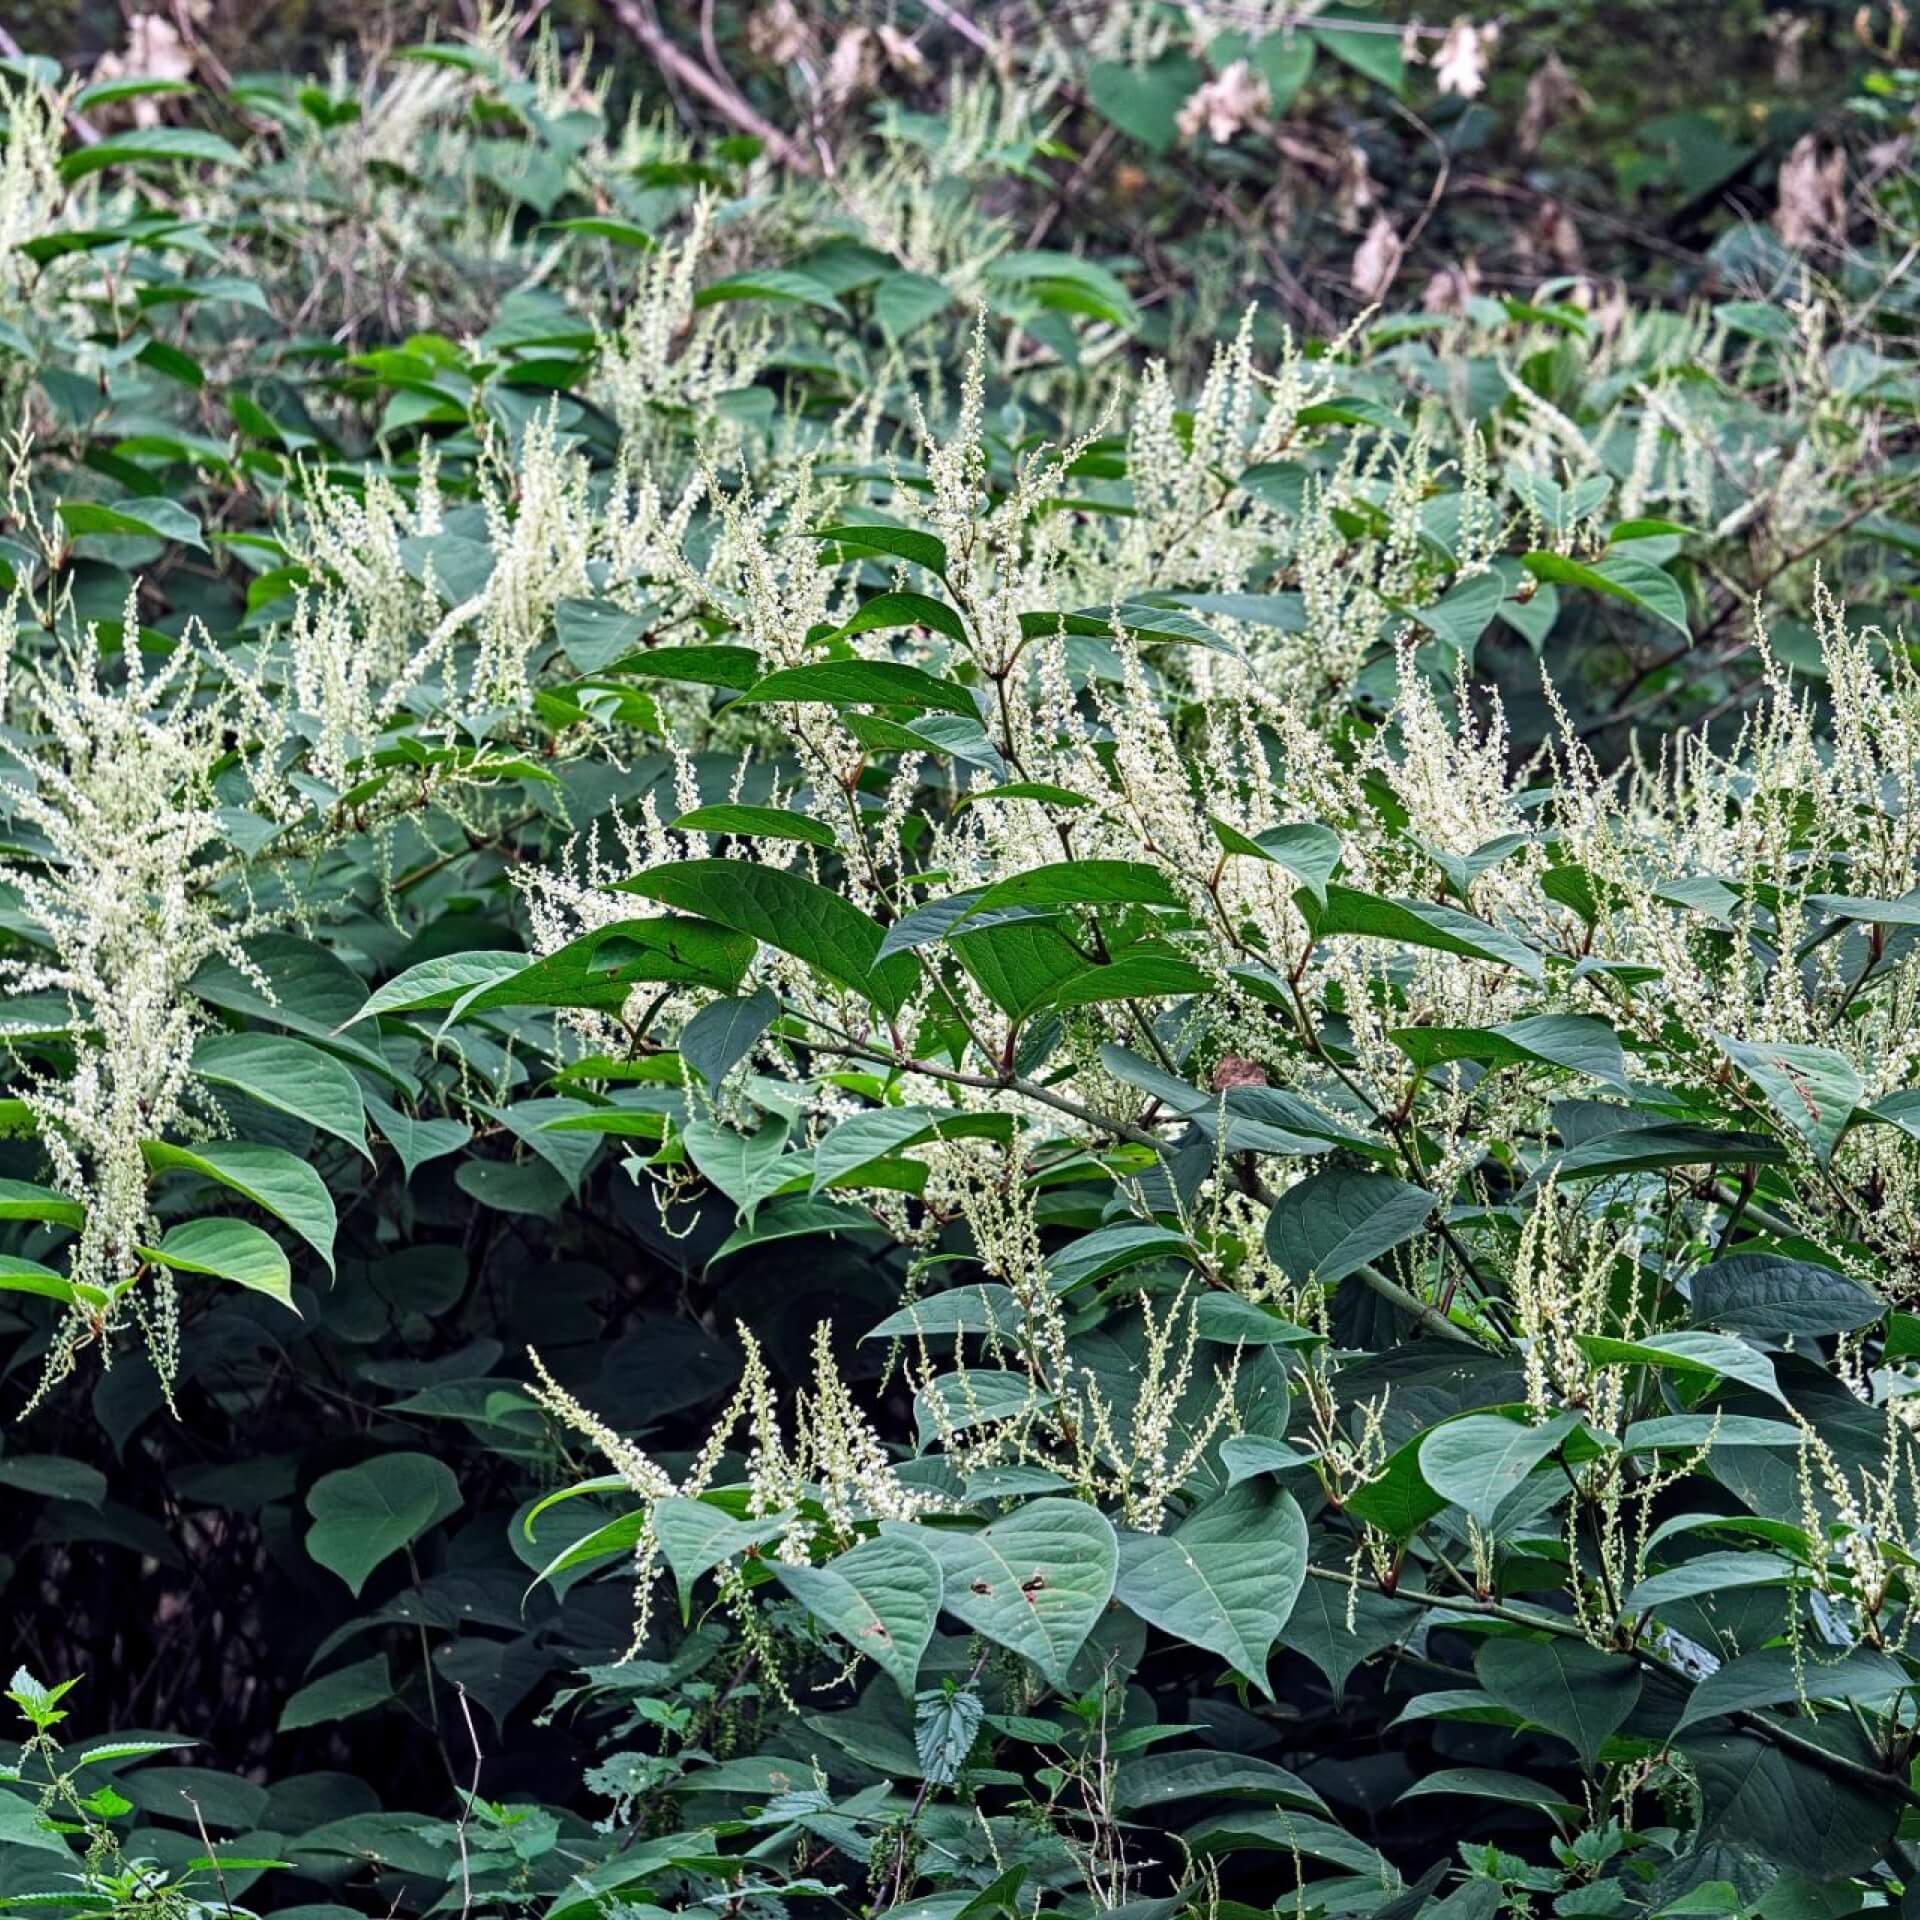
{"x":822,"y":1097}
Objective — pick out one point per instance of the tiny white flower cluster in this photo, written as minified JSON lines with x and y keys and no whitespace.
{"x":31,"y":191}
{"x":828,"y":1456}
{"x":542,"y":540}
{"x":350,"y":655}
{"x":669,"y":357}
{"x":131,"y":897}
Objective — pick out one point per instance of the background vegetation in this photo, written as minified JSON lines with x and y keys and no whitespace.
{"x":1062,"y":856}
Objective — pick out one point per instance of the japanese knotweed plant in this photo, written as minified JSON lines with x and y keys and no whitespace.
{"x":604,"y":744}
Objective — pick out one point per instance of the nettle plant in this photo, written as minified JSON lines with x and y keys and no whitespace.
{"x":1193,"y":1257}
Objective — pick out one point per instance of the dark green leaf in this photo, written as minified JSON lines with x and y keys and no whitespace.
{"x":1562,"y":1685}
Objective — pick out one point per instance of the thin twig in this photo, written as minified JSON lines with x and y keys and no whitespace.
{"x":206,"y":1840}
{"x":1442,"y":175}
{"x":726,"y":100}
{"x":466,"y":1811}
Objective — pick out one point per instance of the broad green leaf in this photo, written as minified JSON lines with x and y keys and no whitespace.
{"x":762,"y":823}
{"x":1035,"y":1582}
{"x":872,"y":683}
{"x":1711,"y":1356}
{"x":883,"y":1132}
{"x":1066,"y":283}
{"x":1160,"y":1779}
{"x":1142,"y":622}
{"x":1308,"y":851}
{"x":1623,"y":576}
{"x":23,"y":1825}
{"x":1767,"y":1294}
{"x":887,"y":611}
{"x":732,"y":667}
{"x":22,"y":1200}
{"x":621,"y":232}
{"x":1225,"y":1579}
{"x":934,"y":920}
{"x":155,"y":519}
{"x":788,"y":911}
{"x":780,"y":284}
{"x":1577,"y":1042}
{"x":1646,"y":1149}
{"x":1418,"y":923}
{"x":288,"y":1075}
{"x":595,"y":634}
{"x":362,"y":1515}
{"x":1787,"y":1676}
{"x":307,"y":990}
{"x":1146,"y":971}
{"x":746,"y":1167}
{"x":978,"y":1397}
{"x":617,"y":1536}
{"x":450,"y":981}
{"x":1364,"y":42}
{"x":1398,"y":1499}
{"x":1081,"y":883}
{"x":983,"y":1308}
{"x":276,"y":1181}
{"x":1789,"y":1810}
{"x":601,"y":968}
{"x":1338,"y":1626}
{"x":1110,"y":1250}
{"x":1463,"y":613}
{"x":29,"y":1276}
{"x":1331,"y":1224}
{"x":1494,"y":1784}
{"x":1813,"y":1090}
{"x":1690,"y":1431}
{"x":882,"y":1599}
{"x":414,"y":1139}
{"x":724,"y":1032}
{"x":339,"y":1695}
{"x":1040,"y":790}
{"x":1296,"y":1835}
{"x":1478,"y":1461}
{"x":1562,"y":1685}
{"x":1022,"y":965}
{"x":1144,"y":101}
{"x":695,"y":1536}
{"x":905,"y":302}
{"x":150,"y":146}
{"x":589,"y":1489}
{"x":233,"y":1250}
{"x":899,"y":543}
{"x":794,"y":1217}
{"x":1904,"y":912}
{"x":1285,"y":62}
{"x":52,"y":1476}
{"x":1710,"y":1573}
{"x":551,"y":1127}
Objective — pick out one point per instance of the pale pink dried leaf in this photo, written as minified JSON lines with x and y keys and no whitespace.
{"x":1376,"y":260}
{"x":1813,"y":194}
{"x":1553,"y":94}
{"x":1460,"y":66}
{"x":1233,"y":99}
